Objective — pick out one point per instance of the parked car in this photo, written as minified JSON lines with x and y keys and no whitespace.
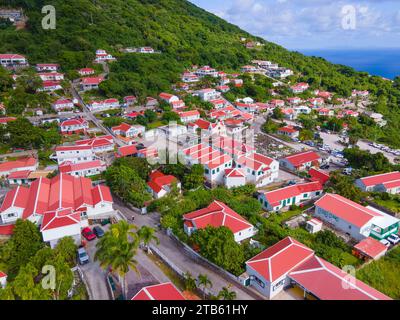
{"x":98,"y":231}
{"x":325,"y":166}
{"x":88,"y":234}
{"x":83,"y":257}
{"x":385,"y":242}
{"x":393,"y":239}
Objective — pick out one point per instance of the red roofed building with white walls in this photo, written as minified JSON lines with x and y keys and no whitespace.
{"x":189,"y":116}
{"x":7,"y":60}
{"x":216,"y":215}
{"x":83,"y":169}
{"x":234,"y":178}
{"x":91,"y":83}
{"x":206,"y":71}
{"x":74,"y":126}
{"x":301,"y":161}
{"x":63,"y":105}
{"x":163,"y":291}
{"x":22,"y":164}
{"x":3,"y":280}
{"x":289,"y":131}
{"x":44,"y":67}
{"x":160,"y":184}
{"x":64,"y":196}
{"x":207,"y":94}
{"x":278,"y":199}
{"x":99,"y":144}
{"x":227,"y":153}
{"x":168,"y":98}
{"x":128,"y":131}
{"x":73,"y":154}
{"x":290,"y":263}
{"x":386,"y":182}
{"x":107,"y":104}
{"x":86,"y":71}
{"x":354,"y":219}
{"x":370,"y":249}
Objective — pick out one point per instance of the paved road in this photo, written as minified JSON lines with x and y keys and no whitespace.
{"x":174,"y":253}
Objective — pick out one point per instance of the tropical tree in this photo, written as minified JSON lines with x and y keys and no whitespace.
{"x":117,"y":249}
{"x":226,"y":294}
{"x":147,"y":235}
{"x":204,"y":281}
{"x":190,"y":282}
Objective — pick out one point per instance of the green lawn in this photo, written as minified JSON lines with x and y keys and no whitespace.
{"x":391,"y":204}
{"x":155,"y":124}
{"x":383,"y":274}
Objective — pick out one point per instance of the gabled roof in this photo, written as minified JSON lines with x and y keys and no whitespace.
{"x":2,"y":274}
{"x":124,"y":127}
{"x":384,"y":178}
{"x":218,"y":214}
{"x":234,"y":173}
{"x":371,"y":247}
{"x":164,"y":291}
{"x":74,"y":122}
{"x":276,"y":196}
{"x":97,"y":141}
{"x":158,"y":181}
{"x":346,"y":209}
{"x":318,"y":175}
{"x":328,"y":282}
{"x":304,"y":157}
{"x":279,"y":259}
{"x":17,"y":164}
{"x":72,"y":167}
{"x":59,"y":219}
{"x":125,"y":151}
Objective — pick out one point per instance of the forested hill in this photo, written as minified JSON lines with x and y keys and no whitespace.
{"x":184,"y":33}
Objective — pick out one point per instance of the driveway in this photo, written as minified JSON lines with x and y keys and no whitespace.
{"x":174,"y":253}
{"x":95,"y":276}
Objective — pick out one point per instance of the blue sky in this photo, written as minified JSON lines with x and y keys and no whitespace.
{"x":315,"y":24}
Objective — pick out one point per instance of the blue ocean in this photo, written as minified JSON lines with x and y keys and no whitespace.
{"x":380,"y":62}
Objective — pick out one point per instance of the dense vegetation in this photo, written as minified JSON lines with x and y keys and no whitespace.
{"x":23,"y":257}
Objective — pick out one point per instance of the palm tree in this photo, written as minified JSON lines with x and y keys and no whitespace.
{"x":205,"y":282}
{"x":117,"y":249}
{"x":147,"y":235}
{"x":190,"y":282}
{"x":226,"y":294}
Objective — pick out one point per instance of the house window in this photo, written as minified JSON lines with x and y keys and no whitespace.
{"x":207,"y":171}
{"x":317,"y":193}
{"x":213,"y":172}
{"x":305,"y":195}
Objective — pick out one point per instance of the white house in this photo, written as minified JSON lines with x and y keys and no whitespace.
{"x":98,"y":144}
{"x":386,"y":182}
{"x":168,"y":98}
{"x":74,"y":126}
{"x":128,"y":131}
{"x":83,"y":169}
{"x":160,"y":184}
{"x":3,"y":279}
{"x":354,"y":219}
{"x":74,"y":154}
{"x":208,"y":94}
{"x":234,"y":178}
{"x":189,"y":116}
{"x":21,"y":164}
{"x":63,"y":105}
{"x":47,"y":67}
{"x":107,"y":104}
{"x":216,"y":215}
{"x":301,"y":161}
{"x":103,"y":56}
{"x":278,"y":199}
{"x":206,"y":71}
{"x":11,"y":60}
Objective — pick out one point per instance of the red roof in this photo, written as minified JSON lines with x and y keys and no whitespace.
{"x":2,"y":274}
{"x":189,"y":113}
{"x":124,"y":127}
{"x":384,"y":178}
{"x":59,"y":219}
{"x":279,"y":259}
{"x":17,"y":164}
{"x":127,"y":151}
{"x":276,"y":196}
{"x":218,"y":214}
{"x":92,"y":80}
{"x":72,"y":167}
{"x":97,"y":141}
{"x":288,"y":129}
{"x":318,"y":175}
{"x":346,"y":209}
{"x":7,"y":119}
{"x":234,"y":173}
{"x":7,"y":230}
{"x":11,"y":56}
{"x":328,"y":282}
{"x":74,"y":122}
{"x":164,"y":291}
{"x":166,"y":96}
{"x":371,"y":247}
{"x":19,"y":174}
{"x":202,"y":124}
{"x":158,"y":180}
{"x":304,"y":157}
{"x":63,"y":191}
{"x":70,"y":148}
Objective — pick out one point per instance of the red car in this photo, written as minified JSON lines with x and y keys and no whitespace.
{"x":88,"y":234}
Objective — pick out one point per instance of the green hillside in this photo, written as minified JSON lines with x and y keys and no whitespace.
{"x":185,"y":34}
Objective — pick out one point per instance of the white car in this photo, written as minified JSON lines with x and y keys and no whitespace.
{"x":385,"y":242}
{"x":393,"y":239}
